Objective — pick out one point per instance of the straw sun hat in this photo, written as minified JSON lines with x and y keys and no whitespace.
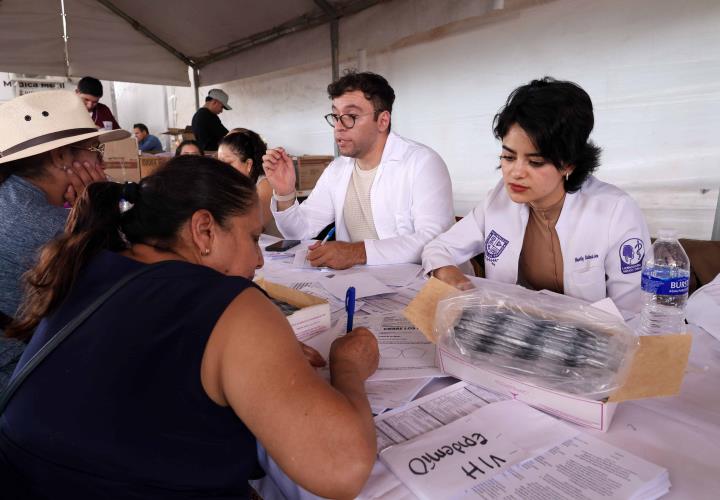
{"x":35,"y":123}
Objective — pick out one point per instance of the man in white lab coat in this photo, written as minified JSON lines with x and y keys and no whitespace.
{"x":388,"y":196}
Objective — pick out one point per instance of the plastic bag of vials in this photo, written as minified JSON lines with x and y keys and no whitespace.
{"x":549,"y":340}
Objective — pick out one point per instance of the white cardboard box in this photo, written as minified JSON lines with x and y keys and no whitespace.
{"x":311,"y":320}
{"x":657,"y":369}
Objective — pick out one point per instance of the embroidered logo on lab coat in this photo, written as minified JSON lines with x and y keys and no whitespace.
{"x":632,"y":252}
{"x":494,"y":246}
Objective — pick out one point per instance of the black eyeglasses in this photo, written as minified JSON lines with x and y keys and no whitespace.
{"x":347,"y":120}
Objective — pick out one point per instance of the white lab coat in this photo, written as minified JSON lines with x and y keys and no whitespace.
{"x":603,"y":240}
{"x":411,"y":199}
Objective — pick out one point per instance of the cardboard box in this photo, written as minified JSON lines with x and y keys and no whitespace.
{"x":121,"y":160}
{"x":186,"y":133}
{"x":121,"y":154}
{"x":309,"y":170}
{"x":150,"y":163}
{"x":657,"y":369}
{"x":311,"y":320}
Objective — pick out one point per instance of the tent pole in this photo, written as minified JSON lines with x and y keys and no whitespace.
{"x":196,"y":86}
{"x":334,"y":47}
{"x":716,"y":226}
{"x":334,"y":52}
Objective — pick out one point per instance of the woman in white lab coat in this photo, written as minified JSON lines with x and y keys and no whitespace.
{"x":549,"y":224}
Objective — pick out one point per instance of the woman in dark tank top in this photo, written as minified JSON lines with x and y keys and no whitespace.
{"x":164,"y":390}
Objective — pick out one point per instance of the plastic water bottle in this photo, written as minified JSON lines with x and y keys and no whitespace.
{"x":665,"y":280}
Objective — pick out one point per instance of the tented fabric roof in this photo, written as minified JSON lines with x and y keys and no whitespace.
{"x":103,"y":42}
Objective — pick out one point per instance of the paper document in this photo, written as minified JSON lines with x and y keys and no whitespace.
{"x":365,"y":285}
{"x":404,"y":350}
{"x":397,"y":275}
{"x":450,"y":460}
{"x":387,"y":303}
{"x":582,"y":468}
{"x":301,"y":261}
{"x":385,"y":394}
{"x":430,"y":412}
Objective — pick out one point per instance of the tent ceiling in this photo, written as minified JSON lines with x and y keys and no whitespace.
{"x":197,"y":28}
{"x":150,"y":42}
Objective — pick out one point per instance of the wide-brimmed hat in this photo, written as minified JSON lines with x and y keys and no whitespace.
{"x":35,"y":123}
{"x":220,"y":95}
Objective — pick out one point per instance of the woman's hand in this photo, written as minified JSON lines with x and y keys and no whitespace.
{"x":355,"y":352}
{"x":80,"y":176}
{"x":452,"y":275}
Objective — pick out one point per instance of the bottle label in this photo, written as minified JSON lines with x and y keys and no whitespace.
{"x":668,"y":286}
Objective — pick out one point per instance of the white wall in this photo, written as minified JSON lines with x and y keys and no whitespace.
{"x":652,"y":68}
{"x":142,"y":103}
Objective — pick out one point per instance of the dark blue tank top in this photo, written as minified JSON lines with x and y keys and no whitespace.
{"x":118,"y":409}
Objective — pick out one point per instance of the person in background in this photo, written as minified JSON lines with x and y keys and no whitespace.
{"x":388,"y":196}
{"x":243,"y":149}
{"x":90,"y":90}
{"x":50,"y":150}
{"x":549,"y":224}
{"x":147,"y":143}
{"x":189,"y":147}
{"x":168,"y":399}
{"x":206,"y":124}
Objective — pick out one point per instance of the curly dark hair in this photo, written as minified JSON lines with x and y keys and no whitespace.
{"x":375,"y":88}
{"x":558,"y":117}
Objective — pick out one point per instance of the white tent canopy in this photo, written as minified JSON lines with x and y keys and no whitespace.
{"x":156,"y":42}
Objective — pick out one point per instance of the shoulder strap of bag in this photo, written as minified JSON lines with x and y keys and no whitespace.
{"x":65,"y":332}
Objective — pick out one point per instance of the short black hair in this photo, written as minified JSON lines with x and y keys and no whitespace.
{"x":558,"y":117}
{"x":90,"y":85}
{"x":142,"y":127}
{"x":375,"y":88}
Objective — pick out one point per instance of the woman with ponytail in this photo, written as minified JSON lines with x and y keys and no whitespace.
{"x":243,"y":149}
{"x":549,"y":224}
{"x":163,"y":391}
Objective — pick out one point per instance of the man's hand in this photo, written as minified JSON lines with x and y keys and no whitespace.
{"x":337,"y":254}
{"x":81,"y":175}
{"x":279,"y":170}
{"x":452,"y":275}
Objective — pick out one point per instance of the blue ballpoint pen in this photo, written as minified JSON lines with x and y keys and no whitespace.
{"x":350,"y":307}
{"x":328,"y":236}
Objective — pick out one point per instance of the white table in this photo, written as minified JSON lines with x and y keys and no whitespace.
{"x":680,"y":433}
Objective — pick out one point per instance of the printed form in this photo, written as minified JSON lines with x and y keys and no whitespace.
{"x":404,"y":350}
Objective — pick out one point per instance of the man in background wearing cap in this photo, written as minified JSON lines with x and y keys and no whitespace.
{"x":206,"y":125}
{"x":90,"y":90}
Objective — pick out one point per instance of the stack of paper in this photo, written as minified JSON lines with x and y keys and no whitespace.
{"x":509,"y":450}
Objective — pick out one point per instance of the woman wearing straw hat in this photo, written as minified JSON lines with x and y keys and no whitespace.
{"x":49,"y":151}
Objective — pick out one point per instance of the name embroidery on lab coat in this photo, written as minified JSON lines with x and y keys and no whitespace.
{"x":494,"y":246}
{"x":632,"y":252}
